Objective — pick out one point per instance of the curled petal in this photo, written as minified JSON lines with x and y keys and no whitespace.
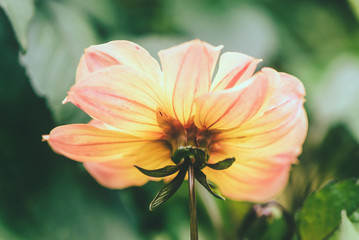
{"x":255,"y":180}
{"x":121,"y":98}
{"x":230,"y":108}
{"x":280,"y":125}
{"x":234,"y":68}
{"x":126,"y":53}
{"x":187,"y":70}
{"x":284,"y":93}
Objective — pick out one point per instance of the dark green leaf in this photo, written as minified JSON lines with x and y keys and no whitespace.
{"x":167,"y":191}
{"x":162,"y":172}
{"x":221,"y":165}
{"x":321,"y":212}
{"x":20,"y":13}
{"x":202,"y":179}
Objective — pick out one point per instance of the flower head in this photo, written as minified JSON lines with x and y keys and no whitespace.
{"x":154,"y":117}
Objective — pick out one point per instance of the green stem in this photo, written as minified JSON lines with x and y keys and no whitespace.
{"x":192,"y":203}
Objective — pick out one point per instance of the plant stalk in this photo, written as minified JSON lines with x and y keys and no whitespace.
{"x":192,"y":203}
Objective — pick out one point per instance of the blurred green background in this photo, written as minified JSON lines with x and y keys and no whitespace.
{"x":46,"y":196}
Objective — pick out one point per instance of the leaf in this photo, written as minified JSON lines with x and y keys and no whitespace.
{"x":321,"y":212}
{"x":347,"y":229}
{"x":221,"y":165}
{"x":58,"y":35}
{"x":167,"y":191}
{"x":20,"y":13}
{"x":202,"y":179}
{"x":162,"y":172}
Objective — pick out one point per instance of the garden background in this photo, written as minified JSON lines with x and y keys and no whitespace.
{"x":46,"y":196}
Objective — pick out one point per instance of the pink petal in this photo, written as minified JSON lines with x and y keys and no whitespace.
{"x":188,"y":70}
{"x":227,"y":109}
{"x":120,"y":97}
{"x":279,"y":126}
{"x":253,"y":180}
{"x":234,"y":68}
{"x":83,"y":142}
{"x":288,"y":136}
{"x":126,"y":53}
{"x":114,"y":177}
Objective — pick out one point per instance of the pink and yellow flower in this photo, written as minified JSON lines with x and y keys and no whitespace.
{"x":143,"y":113}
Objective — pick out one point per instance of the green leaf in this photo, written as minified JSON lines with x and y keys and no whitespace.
{"x":20,"y":13}
{"x":167,"y":191}
{"x":58,"y":36}
{"x":202,"y":179}
{"x":321,"y":212}
{"x":221,"y":165}
{"x":162,"y":172}
{"x":347,"y":229}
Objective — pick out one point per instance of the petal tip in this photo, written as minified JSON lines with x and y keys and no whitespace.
{"x":66,"y":100}
{"x":45,"y":138}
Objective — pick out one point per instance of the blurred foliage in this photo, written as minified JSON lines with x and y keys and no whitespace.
{"x":20,"y":12}
{"x":45,"y":196}
{"x":321,"y":212}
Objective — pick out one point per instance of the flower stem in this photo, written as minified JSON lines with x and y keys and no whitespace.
{"x":192,"y":203}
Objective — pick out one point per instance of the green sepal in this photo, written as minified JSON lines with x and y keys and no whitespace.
{"x":180,"y":154}
{"x":211,"y":188}
{"x":199,"y":154}
{"x":167,"y":191}
{"x":161,"y":172}
{"x":221,"y":165}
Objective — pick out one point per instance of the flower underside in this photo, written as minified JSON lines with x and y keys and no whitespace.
{"x":189,"y":147}
{"x":180,"y":118}
{"x":184,"y":158}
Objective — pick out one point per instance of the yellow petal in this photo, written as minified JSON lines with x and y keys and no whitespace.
{"x":227,"y":109}
{"x":234,"y":68}
{"x":83,"y":142}
{"x":253,"y":180}
{"x":126,"y":53}
{"x":116,"y":174}
{"x":120,"y":97}
{"x":188,"y":70}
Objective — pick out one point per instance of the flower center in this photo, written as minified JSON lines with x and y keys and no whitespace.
{"x":185,"y":141}
{"x":190,"y":153}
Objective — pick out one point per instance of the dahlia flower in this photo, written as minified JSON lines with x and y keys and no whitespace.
{"x":240,"y":131}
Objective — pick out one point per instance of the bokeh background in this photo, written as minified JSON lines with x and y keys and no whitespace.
{"x":46,"y":196}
